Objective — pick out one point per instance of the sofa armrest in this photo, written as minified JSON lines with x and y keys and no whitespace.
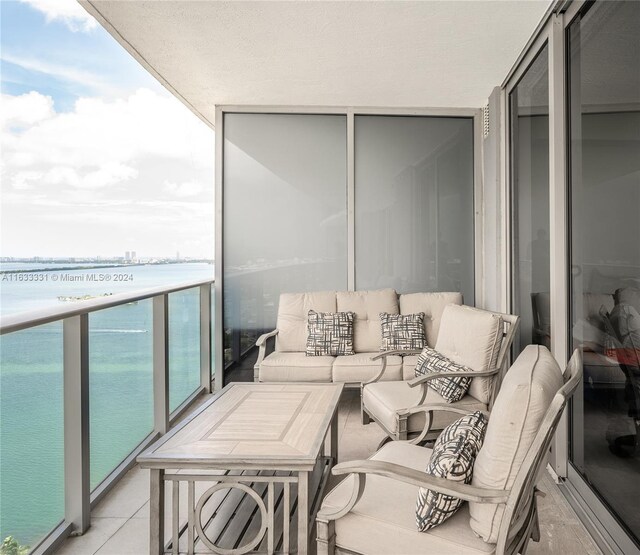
{"x":383,"y":356}
{"x":415,"y":382}
{"x":429,"y":409}
{"x":262,"y":350}
{"x":419,"y":478}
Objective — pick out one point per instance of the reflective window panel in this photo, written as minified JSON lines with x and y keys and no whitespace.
{"x":604,"y":104}
{"x":414,"y":204}
{"x":285,"y":229}
{"x":529,"y":144}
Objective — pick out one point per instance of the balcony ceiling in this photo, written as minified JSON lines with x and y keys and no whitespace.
{"x":430,"y":53}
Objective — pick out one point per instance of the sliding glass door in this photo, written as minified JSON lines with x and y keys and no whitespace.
{"x":529,"y":155}
{"x":604,"y":106}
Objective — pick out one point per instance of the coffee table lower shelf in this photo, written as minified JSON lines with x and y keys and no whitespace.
{"x":236,"y":512}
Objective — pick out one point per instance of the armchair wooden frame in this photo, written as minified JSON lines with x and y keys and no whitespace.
{"x":519,"y":521}
{"x":510,"y":326}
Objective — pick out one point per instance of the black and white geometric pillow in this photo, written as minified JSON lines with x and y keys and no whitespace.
{"x":472,"y":427}
{"x":451,"y":459}
{"x":450,"y":389}
{"x":330,"y":333}
{"x":402,"y":331}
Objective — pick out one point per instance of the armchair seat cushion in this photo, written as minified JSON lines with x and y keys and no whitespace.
{"x":295,"y":367}
{"x":383,"y":399}
{"x":384,"y":520}
{"x":360,"y":368}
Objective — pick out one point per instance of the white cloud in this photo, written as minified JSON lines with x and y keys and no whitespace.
{"x":72,"y":14}
{"x":26,"y":109}
{"x":187,"y":189}
{"x":143,"y":162}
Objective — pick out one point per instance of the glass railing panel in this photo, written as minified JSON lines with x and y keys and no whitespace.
{"x":31,"y":433}
{"x":120,"y":384}
{"x":184,"y":345}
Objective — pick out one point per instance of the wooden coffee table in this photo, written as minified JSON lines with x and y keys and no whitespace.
{"x":251,"y":458}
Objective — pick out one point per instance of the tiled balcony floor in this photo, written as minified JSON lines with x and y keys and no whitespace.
{"x":120,"y":523}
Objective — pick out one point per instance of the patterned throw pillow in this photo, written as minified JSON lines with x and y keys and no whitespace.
{"x":330,"y":333}
{"x":454,"y":453}
{"x":402,"y":331}
{"x":450,"y":389}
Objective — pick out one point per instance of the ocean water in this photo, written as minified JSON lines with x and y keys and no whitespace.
{"x":120,"y":382}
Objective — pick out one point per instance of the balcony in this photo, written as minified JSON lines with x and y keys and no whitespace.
{"x":489,"y":150}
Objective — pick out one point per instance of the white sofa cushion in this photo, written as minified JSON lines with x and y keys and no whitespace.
{"x":409,"y":367}
{"x":525,"y":395}
{"x":383,"y":521}
{"x":383,"y":399}
{"x":295,"y":367}
{"x":367,"y":305}
{"x":360,"y":368}
{"x":471,"y":337}
{"x":293,"y":312}
{"x":432,"y":304}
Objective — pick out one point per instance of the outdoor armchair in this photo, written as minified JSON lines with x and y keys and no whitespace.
{"x":478,"y":339}
{"x":373,"y":510}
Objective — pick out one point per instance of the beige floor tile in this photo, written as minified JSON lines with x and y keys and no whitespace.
{"x":127,"y":497}
{"x":130,"y":539}
{"x":93,"y":539}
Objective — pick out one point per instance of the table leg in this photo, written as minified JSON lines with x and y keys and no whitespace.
{"x":156,"y":512}
{"x":303,"y":513}
{"x":334,"y":438}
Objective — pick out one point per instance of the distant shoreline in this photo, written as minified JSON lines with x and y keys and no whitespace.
{"x":96,"y":266}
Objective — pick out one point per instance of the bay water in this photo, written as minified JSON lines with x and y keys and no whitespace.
{"x":120,"y":379}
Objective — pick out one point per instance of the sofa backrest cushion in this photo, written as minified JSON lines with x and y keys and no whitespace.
{"x":471,"y":337}
{"x":367,"y":336}
{"x":526,"y":393}
{"x":432,"y":304}
{"x":293,"y":312}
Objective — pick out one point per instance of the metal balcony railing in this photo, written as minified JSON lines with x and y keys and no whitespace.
{"x":78,"y":497}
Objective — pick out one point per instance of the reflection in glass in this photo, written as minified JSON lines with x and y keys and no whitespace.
{"x":529,"y":119}
{"x":414,"y":204}
{"x":285,"y":230}
{"x":604,"y":85}
{"x":120,"y":384}
{"x":184,"y":345}
{"x":32,"y":428}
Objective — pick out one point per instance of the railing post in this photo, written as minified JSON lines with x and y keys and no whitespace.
{"x":205,"y":337}
{"x":75,"y":339}
{"x":161,"y":363}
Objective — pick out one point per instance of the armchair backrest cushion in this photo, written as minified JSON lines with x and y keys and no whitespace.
{"x":367,"y":305}
{"x":628,"y":295}
{"x":523,"y":400}
{"x":432,"y":304}
{"x":471,"y":337}
{"x":293,"y":312}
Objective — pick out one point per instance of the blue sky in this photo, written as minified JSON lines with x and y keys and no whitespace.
{"x":91,"y":141}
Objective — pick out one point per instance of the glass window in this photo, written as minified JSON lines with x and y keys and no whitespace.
{"x":414,"y":204}
{"x":529,"y":121}
{"x":604,"y":104}
{"x":120,"y":384}
{"x":285,"y":230}
{"x":32,"y":443}
{"x":184,"y":345}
